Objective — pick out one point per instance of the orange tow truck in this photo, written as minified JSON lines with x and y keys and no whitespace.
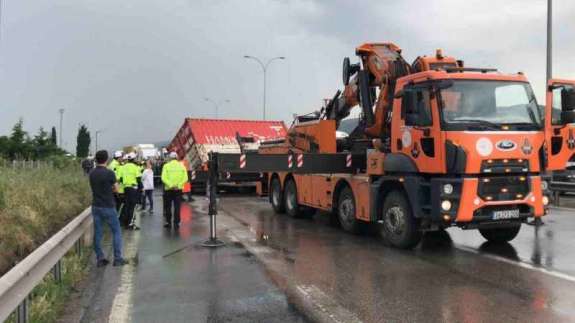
{"x":437,"y":145}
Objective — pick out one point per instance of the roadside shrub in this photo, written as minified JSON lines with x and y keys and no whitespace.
{"x":63,"y":162}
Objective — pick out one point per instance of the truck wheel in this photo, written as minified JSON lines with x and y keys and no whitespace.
{"x":346,"y":211}
{"x":500,"y":234}
{"x":398,"y":226}
{"x":292,"y":207}
{"x":276,"y":196}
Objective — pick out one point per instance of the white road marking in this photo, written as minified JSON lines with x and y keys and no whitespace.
{"x":521,"y":264}
{"x":326,"y":304}
{"x":122,"y":305}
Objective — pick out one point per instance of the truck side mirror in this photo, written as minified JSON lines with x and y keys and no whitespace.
{"x":567,"y":99}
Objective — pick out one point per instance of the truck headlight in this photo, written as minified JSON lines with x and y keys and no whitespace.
{"x":544,"y":185}
{"x":446,"y":205}
{"x":447,"y":189}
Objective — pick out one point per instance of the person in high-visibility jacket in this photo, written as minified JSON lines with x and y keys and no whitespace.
{"x":140,"y":191}
{"x":114,"y":166}
{"x":130,"y":177}
{"x":174,"y":176}
{"x":116,"y":161}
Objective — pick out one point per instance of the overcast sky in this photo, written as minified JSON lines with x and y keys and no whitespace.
{"x":135,"y":68}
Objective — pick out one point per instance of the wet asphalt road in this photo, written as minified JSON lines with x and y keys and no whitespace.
{"x":451,"y":277}
{"x":171,"y":278}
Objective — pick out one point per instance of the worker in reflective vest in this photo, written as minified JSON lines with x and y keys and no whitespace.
{"x":174,"y":176}
{"x":130,"y":177}
{"x":115,"y":166}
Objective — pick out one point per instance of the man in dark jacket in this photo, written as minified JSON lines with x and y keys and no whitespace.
{"x":103,"y":184}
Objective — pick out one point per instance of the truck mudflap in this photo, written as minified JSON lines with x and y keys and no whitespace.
{"x":475,"y":207}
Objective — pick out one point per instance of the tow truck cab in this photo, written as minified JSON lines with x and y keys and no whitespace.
{"x":471,"y":147}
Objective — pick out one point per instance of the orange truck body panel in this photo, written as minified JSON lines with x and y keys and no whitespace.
{"x":558,"y":135}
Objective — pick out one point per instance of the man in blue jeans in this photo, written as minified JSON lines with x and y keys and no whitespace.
{"x":103,"y":184}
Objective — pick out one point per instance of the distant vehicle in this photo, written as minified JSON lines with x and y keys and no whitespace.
{"x":147,"y":151}
{"x":143,"y":151}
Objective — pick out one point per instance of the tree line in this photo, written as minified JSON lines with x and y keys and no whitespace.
{"x":43,"y":145}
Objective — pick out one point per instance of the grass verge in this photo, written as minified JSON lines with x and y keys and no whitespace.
{"x":49,"y":298}
{"x":35,"y":204}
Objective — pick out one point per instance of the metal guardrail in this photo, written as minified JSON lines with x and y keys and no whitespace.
{"x":32,"y":164}
{"x":558,"y":187}
{"x":16,"y":284}
{"x":562,"y":186}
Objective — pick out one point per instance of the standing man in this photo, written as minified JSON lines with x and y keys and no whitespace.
{"x":131,"y":179}
{"x":114,"y":166}
{"x":88,"y":165}
{"x":103,"y":184}
{"x":174,"y":176}
{"x":140,"y":191}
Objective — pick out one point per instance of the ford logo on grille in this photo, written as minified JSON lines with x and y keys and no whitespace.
{"x":506,"y":145}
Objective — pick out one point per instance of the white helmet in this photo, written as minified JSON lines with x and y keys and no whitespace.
{"x":173,"y":155}
{"x":118,"y":154}
{"x":131,"y":156}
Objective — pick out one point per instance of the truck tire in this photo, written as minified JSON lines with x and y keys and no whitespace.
{"x":292,"y":207}
{"x":500,"y":235}
{"x":346,"y":211}
{"x":398,"y":226}
{"x":276,"y":196}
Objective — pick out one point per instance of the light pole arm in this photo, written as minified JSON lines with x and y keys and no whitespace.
{"x":263,"y":66}
{"x":271,"y":60}
{"x":264,"y":69}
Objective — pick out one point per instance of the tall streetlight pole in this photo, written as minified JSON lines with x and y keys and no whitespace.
{"x":216,"y":104}
{"x":61,"y":111}
{"x":549,"y":39}
{"x":264,"y":69}
{"x":96,"y":143}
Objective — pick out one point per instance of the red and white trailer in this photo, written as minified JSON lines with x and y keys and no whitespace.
{"x":196,"y":138}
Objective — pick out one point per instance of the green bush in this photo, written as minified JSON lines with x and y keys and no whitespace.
{"x":35,"y":204}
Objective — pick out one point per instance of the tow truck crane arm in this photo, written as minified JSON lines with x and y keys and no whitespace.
{"x":381,"y":64}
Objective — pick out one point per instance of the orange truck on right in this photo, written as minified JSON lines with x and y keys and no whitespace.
{"x":437,"y":145}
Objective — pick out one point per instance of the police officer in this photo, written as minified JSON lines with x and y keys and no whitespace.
{"x":174,"y":176}
{"x":130,"y":177}
{"x":114,"y":166}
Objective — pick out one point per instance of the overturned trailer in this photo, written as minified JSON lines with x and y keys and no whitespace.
{"x":197,"y":138}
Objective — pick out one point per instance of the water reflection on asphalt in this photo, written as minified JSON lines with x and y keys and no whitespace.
{"x":438,"y":281}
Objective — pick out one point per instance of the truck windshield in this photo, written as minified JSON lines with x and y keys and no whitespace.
{"x":489,"y":105}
